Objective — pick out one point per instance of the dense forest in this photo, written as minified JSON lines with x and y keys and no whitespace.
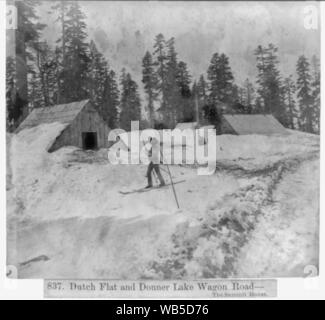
{"x":74,"y":69}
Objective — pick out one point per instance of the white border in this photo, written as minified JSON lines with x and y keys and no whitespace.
{"x":33,"y":289}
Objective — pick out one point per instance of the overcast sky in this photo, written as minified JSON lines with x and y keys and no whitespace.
{"x":123,"y":31}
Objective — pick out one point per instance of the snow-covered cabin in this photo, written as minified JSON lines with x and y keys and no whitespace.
{"x":85,"y":128}
{"x":242,"y":124}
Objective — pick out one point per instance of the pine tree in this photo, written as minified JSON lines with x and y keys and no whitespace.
{"x":60,"y":8}
{"x":160,"y":57}
{"x":258,"y":106}
{"x":186,"y":106}
{"x":237,"y":94}
{"x":304,"y":94}
{"x":316,"y":94}
{"x":220,"y":80}
{"x":171,"y":89}
{"x":260,"y":54}
{"x":269,"y":81}
{"x":27,"y":35}
{"x":238,"y":101}
{"x":46,"y":73}
{"x":130,"y":105}
{"x":35,"y":92}
{"x":248,"y":94}
{"x":289,"y":94}
{"x":110,"y":100}
{"x":196,"y":103}
{"x":199,"y":93}
{"x":202,"y":90}
{"x":274,"y":85}
{"x":240,"y":93}
{"x":75,"y":81}
{"x":149,"y":79}
{"x":98,"y":69}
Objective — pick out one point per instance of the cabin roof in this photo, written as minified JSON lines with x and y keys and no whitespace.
{"x":254,"y":124}
{"x":63,"y":113}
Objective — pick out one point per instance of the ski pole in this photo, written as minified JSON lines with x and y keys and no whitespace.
{"x":171,"y":180}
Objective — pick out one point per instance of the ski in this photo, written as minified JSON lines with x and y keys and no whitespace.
{"x":141,"y":190}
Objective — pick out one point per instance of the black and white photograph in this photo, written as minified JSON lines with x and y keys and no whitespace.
{"x":162,"y":140}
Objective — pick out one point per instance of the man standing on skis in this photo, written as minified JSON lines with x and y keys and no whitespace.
{"x":152,"y":151}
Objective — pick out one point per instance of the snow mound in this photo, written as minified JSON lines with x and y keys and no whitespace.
{"x":253,"y":152}
{"x":29,"y":156}
{"x":31,"y":165}
{"x":251,"y":146}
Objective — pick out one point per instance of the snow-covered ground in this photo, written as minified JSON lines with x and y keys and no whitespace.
{"x":256,"y":216}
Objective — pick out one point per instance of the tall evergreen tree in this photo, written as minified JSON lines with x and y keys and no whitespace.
{"x":130,"y":105}
{"x":46,"y":72}
{"x":27,"y":35}
{"x":304,"y":94}
{"x":240,"y":92}
{"x":185,"y":106}
{"x":289,"y":96}
{"x":200,"y":94}
{"x":160,"y":57}
{"x":149,"y":79}
{"x":237,"y":94}
{"x":316,"y":93}
{"x":75,"y":82}
{"x":60,"y":8}
{"x":249,"y":91}
{"x":98,"y":69}
{"x":220,"y":79}
{"x":196,"y":103}
{"x":172,"y":109}
{"x":262,"y":91}
{"x":111,"y":100}
{"x":238,"y":104}
{"x":202,"y":90}
{"x":35,"y":92}
{"x":269,"y":81}
{"x":258,"y":106}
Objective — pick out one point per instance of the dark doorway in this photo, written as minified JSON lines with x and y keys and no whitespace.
{"x":89,"y":140}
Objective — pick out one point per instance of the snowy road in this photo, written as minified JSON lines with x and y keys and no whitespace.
{"x":288,"y":228}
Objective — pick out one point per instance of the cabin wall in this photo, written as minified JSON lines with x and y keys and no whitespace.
{"x":88,"y":120}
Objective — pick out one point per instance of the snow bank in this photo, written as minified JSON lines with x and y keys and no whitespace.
{"x":251,"y":146}
{"x":32,"y":167}
{"x":285,"y":240}
{"x":29,"y":156}
{"x":259,"y":151}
